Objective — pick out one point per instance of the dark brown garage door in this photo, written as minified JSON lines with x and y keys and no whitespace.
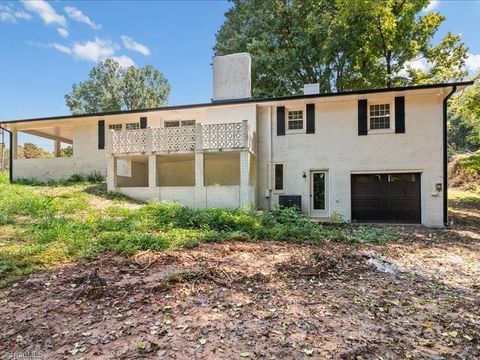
{"x":390,"y":198}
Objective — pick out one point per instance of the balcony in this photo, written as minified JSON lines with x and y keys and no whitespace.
{"x":211,"y":137}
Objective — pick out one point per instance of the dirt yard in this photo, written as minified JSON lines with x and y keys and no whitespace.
{"x":418,"y":298}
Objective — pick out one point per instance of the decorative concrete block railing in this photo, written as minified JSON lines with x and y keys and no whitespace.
{"x":172,"y":139}
{"x":128,"y":141}
{"x":200,"y":137}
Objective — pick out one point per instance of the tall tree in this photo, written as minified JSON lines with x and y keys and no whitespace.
{"x":464,"y":124}
{"x":32,"y":151}
{"x":112,"y":88}
{"x":341,"y":44}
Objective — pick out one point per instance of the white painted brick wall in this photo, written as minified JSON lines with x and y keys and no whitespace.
{"x":232,"y":76}
{"x":336,"y":147}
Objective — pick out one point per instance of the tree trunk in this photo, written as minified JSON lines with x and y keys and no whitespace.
{"x":388,"y":59}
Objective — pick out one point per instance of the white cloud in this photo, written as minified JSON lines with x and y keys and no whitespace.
{"x":135,"y":46}
{"x":473,"y":62}
{"x":419,"y":64}
{"x":46,"y":12}
{"x":124,"y":60}
{"x":63,"y":32}
{"x":61,"y":48}
{"x":6,"y":16}
{"x":94,"y":50}
{"x":9,"y":14}
{"x":79,"y":16}
{"x":20,"y":14}
{"x":432,"y":5}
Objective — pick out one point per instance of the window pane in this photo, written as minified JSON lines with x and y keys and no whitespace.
{"x":132,"y":126}
{"x":295,"y":124}
{"x":116,"y":127}
{"x":380,"y":116}
{"x":295,"y":120}
{"x":382,"y":122}
{"x":319,"y":191}
{"x":188,"y":122}
{"x":171,"y":123}
{"x":278,"y":176}
{"x":401,"y":177}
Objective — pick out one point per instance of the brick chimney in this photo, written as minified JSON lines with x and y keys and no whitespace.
{"x":232,"y":77}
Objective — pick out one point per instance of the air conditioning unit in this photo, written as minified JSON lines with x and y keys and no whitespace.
{"x":290,"y":201}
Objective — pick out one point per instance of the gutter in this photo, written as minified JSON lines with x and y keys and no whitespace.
{"x":445,"y":155}
{"x":10,"y":155}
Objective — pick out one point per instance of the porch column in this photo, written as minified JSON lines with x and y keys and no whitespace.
{"x":111,"y":173}
{"x":200,"y":192}
{"x":56,"y":148}
{"x":14,"y":144}
{"x":152,"y":171}
{"x":244,"y":178}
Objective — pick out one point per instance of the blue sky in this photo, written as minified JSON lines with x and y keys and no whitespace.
{"x":46,"y":47}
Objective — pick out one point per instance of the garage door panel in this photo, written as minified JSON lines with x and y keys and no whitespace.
{"x":398,"y":204}
{"x":402,"y":216}
{"x":386,"y":198}
{"x":369,"y":216}
{"x":368,"y":203}
{"x":403,"y":190}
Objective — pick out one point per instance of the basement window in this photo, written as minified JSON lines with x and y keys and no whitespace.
{"x":132,"y":126}
{"x":379,"y":116}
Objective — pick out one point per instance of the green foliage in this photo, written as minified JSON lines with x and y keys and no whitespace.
{"x":470,"y":163}
{"x":93,"y":178}
{"x":66,"y":151}
{"x":45,"y":225}
{"x":464,"y":121}
{"x":32,"y":151}
{"x":4,"y":177}
{"x":341,"y":44}
{"x":113,"y":88}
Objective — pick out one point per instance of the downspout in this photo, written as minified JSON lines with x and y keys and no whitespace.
{"x":445,"y":155}
{"x":10,"y":155}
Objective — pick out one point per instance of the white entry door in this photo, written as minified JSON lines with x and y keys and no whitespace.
{"x":319,"y":194}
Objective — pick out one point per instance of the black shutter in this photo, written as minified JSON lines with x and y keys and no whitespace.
{"x":310,"y":118}
{"x":143,"y":123}
{"x":101,"y":134}
{"x":362,"y":117}
{"x":280,"y":120}
{"x":400,"y":114}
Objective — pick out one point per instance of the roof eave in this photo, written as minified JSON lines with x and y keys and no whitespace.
{"x":460,"y":85}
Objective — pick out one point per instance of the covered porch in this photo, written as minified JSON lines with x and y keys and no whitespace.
{"x":196,"y":180}
{"x":37,"y":151}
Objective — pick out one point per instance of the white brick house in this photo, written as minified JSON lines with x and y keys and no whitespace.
{"x":373,"y":155}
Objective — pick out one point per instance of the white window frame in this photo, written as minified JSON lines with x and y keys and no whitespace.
{"x":135,"y":124}
{"x":295,"y":131}
{"x":383,"y":101}
{"x":115,"y":127}
{"x":185,"y":120}
{"x":180,"y":122}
